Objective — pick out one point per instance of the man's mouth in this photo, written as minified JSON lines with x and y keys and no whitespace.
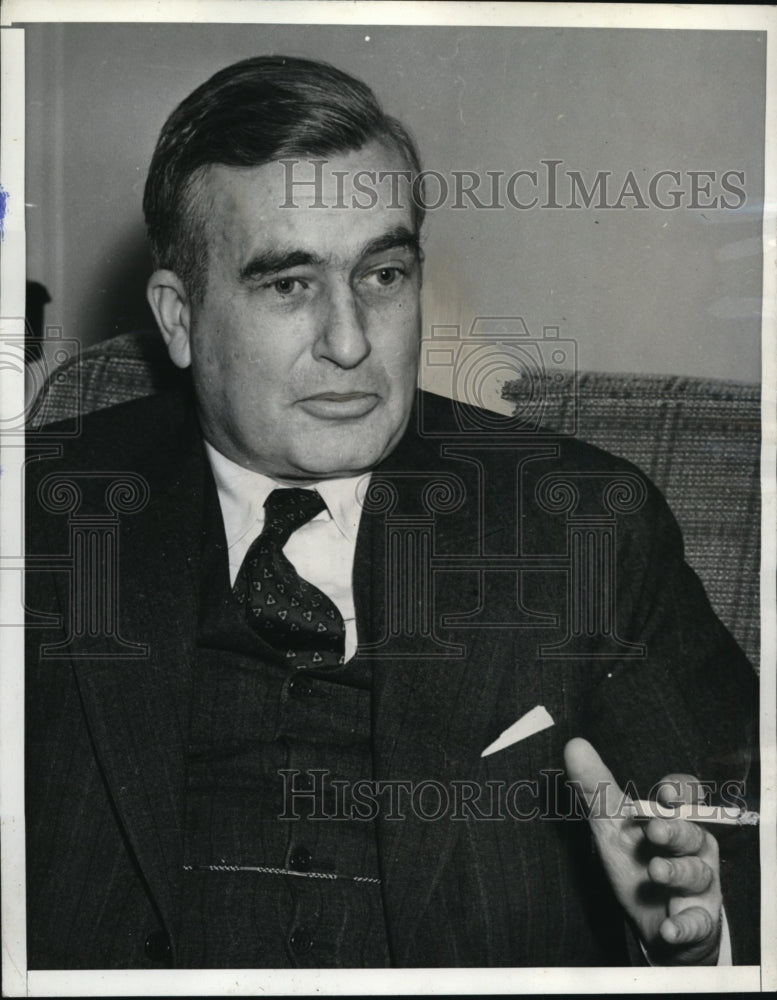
{"x":339,"y":405}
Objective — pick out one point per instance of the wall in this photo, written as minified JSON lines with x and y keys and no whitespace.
{"x":640,"y":289}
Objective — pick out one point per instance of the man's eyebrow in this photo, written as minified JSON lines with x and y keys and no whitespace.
{"x":268,"y":262}
{"x":273,"y":261}
{"x":398,"y":238}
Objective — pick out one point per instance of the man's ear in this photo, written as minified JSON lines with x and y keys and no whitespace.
{"x":170,"y":305}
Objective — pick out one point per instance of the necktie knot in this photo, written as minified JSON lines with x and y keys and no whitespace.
{"x":292,"y":615}
{"x":288,"y":509}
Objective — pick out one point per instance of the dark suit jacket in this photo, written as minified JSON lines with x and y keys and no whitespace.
{"x":106,"y":733}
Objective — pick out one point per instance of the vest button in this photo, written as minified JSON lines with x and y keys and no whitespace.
{"x":300,"y":940}
{"x":300,"y":687}
{"x":157,"y":947}
{"x":300,"y":860}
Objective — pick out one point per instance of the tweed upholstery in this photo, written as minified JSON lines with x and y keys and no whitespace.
{"x":697,"y":439}
{"x":113,"y":371}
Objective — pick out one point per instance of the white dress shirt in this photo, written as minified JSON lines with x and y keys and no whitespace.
{"x":322,"y":551}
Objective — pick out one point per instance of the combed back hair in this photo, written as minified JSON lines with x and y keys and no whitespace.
{"x":248,"y":114}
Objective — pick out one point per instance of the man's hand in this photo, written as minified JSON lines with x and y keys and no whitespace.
{"x":664,"y":872}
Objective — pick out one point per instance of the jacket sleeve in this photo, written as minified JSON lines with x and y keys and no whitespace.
{"x":688,"y":705}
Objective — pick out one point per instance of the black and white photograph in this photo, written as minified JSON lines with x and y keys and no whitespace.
{"x":388,"y":539}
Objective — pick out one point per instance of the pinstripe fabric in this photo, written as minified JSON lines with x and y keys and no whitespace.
{"x":106,"y":736}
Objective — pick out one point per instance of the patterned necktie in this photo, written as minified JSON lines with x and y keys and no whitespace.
{"x":289,"y":613}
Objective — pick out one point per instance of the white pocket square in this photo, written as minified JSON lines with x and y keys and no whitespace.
{"x":533,"y":722}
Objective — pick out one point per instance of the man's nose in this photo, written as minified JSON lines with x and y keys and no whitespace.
{"x":342,"y":337}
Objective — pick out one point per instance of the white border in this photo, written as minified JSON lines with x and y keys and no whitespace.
{"x":768,"y":678}
{"x":389,"y":981}
{"x":12,"y":307}
{"x":729,"y":17}
{"x":466,"y":981}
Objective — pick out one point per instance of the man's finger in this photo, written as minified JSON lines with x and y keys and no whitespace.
{"x":691,"y":926}
{"x":676,"y":836}
{"x":593,"y":778}
{"x":688,"y":875}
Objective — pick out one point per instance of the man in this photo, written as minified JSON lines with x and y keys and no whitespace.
{"x":244,"y":779}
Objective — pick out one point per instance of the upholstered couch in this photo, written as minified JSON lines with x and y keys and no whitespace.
{"x":698,"y":439}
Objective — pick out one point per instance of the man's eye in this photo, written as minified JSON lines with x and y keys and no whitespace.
{"x":285,"y":286}
{"x":385,"y":276}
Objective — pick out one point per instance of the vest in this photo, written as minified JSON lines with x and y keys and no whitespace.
{"x":276,"y":873}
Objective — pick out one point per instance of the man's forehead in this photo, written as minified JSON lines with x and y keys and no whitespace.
{"x":350,"y":198}
{"x":374,"y":173}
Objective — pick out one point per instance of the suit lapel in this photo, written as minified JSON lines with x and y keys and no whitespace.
{"x":137,"y":708}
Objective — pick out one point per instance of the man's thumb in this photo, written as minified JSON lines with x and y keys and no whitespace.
{"x":593,"y":780}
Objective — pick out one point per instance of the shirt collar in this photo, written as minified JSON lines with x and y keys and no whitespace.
{"x":242,"y":493}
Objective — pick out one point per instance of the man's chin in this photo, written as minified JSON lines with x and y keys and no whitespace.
{"x":338,"y":468}
{"x":348,"y":453}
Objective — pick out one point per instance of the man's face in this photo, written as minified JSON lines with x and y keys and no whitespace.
{"x":305,"y":346}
